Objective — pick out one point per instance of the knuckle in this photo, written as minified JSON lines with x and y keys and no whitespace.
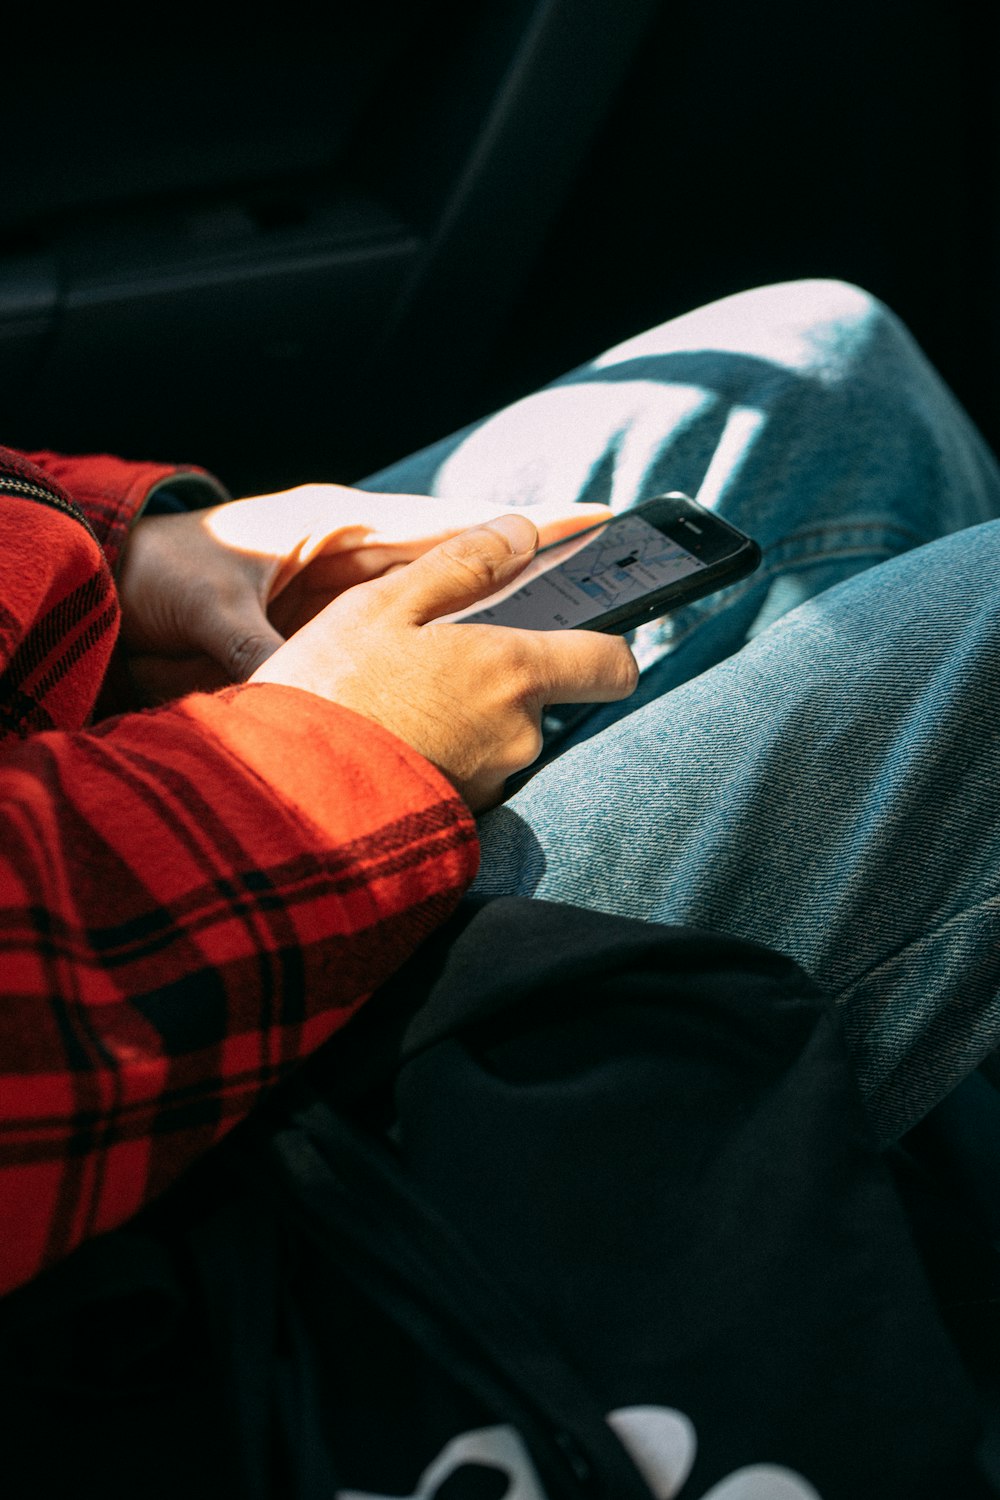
{"x":526,"y":747}
{"x":365,"y":601}
{"x":522,"y":677}
{"x":243,"y":654}
{"x":468,"y":563}
{"x":628,"y":668}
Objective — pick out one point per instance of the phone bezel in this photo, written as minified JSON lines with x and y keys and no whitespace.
{"x":728,"y":554}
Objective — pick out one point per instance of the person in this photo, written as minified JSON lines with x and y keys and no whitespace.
{"x":226,"y":832}
{"x":197,"y":894}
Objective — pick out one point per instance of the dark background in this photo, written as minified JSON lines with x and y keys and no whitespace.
{"x":300,"y":248}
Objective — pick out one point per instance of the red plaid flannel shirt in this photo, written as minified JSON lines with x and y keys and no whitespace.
{"x":192,"y":898}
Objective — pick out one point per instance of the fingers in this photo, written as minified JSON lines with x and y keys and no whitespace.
{"x":248,"y":649}
{"x":411,"y":524}
{"x":565,"y":666}
{"x":579,"y":666}
{"x":239,"y":639}
{"x":460,"y":571}
{"x":556,"y":524}
{"x":553,"y":522}
{"x":401,"y":537}
{"x":323,"y":539}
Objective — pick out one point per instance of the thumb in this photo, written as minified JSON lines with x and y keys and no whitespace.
{"x":240,"y":639}
{"x":465,"y":568}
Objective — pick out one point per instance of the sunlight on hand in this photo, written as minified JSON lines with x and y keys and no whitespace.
{"x":294,"y":528}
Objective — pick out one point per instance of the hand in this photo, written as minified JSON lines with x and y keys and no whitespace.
{"x":207,"y":596}
{"x":468,"y":697}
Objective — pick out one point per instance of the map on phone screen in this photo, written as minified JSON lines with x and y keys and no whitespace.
{"x":573,"y":582}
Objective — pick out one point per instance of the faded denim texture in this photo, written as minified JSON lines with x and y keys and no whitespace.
{"x":812,"y":759}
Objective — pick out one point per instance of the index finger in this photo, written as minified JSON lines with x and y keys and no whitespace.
{"x":403,"y":533}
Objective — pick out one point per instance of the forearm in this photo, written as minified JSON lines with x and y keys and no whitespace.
{"x":186,"y":913}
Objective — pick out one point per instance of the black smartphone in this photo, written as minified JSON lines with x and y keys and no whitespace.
{"x":620,"y":573}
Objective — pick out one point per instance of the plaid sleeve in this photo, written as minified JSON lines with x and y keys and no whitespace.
{"x":111,"y":492}
{"x":191,"y":900}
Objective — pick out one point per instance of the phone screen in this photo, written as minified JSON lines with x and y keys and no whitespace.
{"x":575,"y":581}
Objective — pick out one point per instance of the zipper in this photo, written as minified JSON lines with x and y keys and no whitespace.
{"x":9,"y":484}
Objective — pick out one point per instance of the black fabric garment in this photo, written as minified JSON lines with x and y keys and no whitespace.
{"x":577,"y":1206}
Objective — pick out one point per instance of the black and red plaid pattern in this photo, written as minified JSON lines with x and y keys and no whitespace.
{"x":192,"y":899}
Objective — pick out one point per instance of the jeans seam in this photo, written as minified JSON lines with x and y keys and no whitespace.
{"x":852,"y":538}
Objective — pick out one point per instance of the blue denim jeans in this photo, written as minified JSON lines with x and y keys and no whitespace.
{"x":812,"y":759}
